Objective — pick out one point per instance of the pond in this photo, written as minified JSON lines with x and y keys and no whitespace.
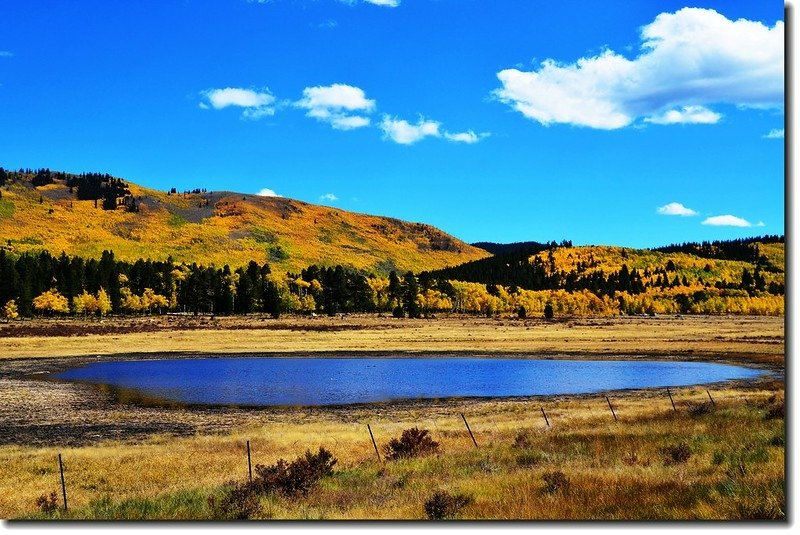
{"x":339,"y":381}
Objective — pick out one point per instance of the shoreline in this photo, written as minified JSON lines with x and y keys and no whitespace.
{"x":137,"y":417}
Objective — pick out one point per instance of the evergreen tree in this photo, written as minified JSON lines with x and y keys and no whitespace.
{"x":410,"y":297}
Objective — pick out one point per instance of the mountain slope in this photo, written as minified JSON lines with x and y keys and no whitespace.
{"x":219,"y":228}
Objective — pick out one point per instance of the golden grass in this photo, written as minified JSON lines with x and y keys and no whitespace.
{"x":616,"y":469}
{"x":752,"y":338}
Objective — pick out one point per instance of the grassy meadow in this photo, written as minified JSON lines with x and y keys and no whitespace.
{"x":701,"y":461}
{"x":654,"y":463}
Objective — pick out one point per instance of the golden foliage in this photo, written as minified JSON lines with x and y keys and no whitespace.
{"x":10,"y":310}
{"x":217,"y":229}
{"x":51,"y":302}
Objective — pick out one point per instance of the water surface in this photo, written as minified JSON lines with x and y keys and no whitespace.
{"x":338,"y":381}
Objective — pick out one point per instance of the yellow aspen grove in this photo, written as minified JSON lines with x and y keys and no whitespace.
{"x":51,"y":302}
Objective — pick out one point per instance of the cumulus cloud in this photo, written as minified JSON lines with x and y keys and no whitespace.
{"x":266,"y":192}
{"x":405,"y":133}
{"x":342,"y":106}
{"x":329,"y":197}
{"x":727,"y":221}
{"x":675,"y":208}
{"x":688,"y":59}
{"x":686,"y":115}
{"x":775,"y":133}
{"x":402,"y":132}
{"x":255,"y":104}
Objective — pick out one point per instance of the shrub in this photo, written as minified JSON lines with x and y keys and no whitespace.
{"x":555,"y":482}
{"x":548,"y":311}
{"x":412,"y":442}
{"x":776,"y":412}
{"x":443,"y":505}
{"x":239,"y":502}
{"x":47,"y":503}
{"x":522,"y":313}
{"x":295,"y":478}
{"x":677,"y":454}
{"x":699,"y":409}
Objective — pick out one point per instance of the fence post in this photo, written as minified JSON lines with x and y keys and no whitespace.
{"x":545,"y":417}
{"x":374,"y":445}
{"x":470,"y":430}
{"x":709,"y":397}
{"x":63,"y":485}
{"x":249,"y":464}
{"x":612,"y":409}
{"x":671,"y":401}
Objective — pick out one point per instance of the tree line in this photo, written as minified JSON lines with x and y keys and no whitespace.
{"x":43,"y":284}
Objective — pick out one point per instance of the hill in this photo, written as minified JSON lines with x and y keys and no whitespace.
{"x":40,"y":210}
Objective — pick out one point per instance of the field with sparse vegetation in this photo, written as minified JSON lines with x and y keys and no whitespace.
{"x":124,"y":461}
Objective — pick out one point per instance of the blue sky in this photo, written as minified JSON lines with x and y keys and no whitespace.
{"x":627,"y":123}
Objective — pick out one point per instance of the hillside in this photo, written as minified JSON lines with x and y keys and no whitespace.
{"x":216,"y":228}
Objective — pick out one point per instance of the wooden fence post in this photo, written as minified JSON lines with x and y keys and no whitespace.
{"x":468,"y":429}
{"x":249,"y":464}
{"x":671,"y":401}
{"x":545,"y":417}
{"x":612,"y":409}
{"x":63,"y":485}
{"x":709,"y":397}
{"x":374,"y":445}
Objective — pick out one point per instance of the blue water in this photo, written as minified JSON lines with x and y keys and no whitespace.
{"x":338,"y":381}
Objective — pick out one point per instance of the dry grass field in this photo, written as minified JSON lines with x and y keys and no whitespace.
{"x":126,"y":461}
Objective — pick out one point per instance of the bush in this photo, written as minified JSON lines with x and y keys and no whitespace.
{"x":775,"y":413}
{"x":47,"y":503}
{"x":677,"y":454}
{"x":398,"y":312}
{"x":295,"y":478}
{"x":548,"y":311}
{"x":699,"y":409}
{"x":239,"y":502}
{"x":522,"y":313}
{"x":555,"y":482}
{"x":412,"y":442}
{"x":443,"y":505}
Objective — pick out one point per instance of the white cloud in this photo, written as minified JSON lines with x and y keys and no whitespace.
{"x":335,"y":104}
{"x":256,"y":104}
{"x":402,"y":132}
{"x":727,"y":221}
{"x":266,"y":192}
{"x":329,"y":197}
{"x":405,"y":133}
{"x":688,"y":59}
{"x":775,"y":133}
{"x":465,"y":137}
{"x":686,"y":115}
{"x":761,"y":224}
{"x":6,"y":54}
{"x":675,"y":208}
